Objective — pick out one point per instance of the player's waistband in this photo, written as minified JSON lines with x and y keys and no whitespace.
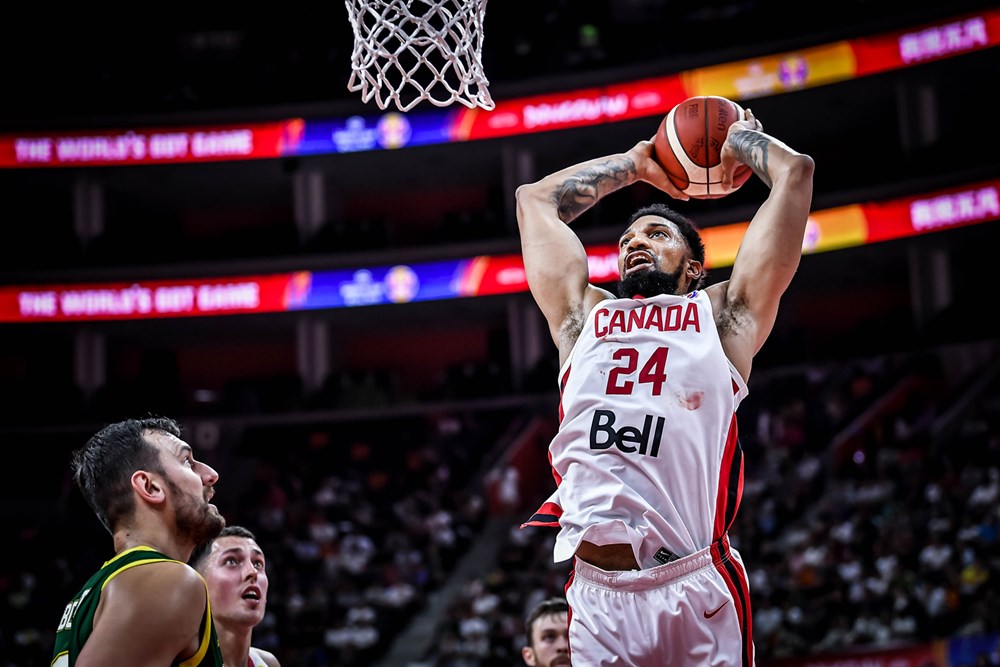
{"x":636,"y":580}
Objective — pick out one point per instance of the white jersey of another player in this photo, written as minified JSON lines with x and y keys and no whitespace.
{"x":255,"y":659}
{"x":646,"y":452}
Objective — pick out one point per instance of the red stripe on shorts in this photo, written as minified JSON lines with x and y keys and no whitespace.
{"x":736,"y":581}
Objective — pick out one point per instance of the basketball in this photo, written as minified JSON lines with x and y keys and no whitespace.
{"x":689,"y":141}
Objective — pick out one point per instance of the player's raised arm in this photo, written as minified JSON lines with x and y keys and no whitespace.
{"x":771,"y":248}
{"x":555,"y":260}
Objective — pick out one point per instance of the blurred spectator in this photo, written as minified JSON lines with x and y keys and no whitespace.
{"x":546,"y":631}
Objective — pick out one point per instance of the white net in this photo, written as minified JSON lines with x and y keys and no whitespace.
{"x":407,"y":51}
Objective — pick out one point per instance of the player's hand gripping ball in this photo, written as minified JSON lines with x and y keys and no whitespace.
{"x":689,"y":141}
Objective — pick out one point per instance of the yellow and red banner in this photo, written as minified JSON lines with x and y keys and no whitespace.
{"x":481,"y":275}
{"x":741,"y":80}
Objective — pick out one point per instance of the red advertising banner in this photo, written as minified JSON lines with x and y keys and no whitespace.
{"x":930,"y":42}
{"x":153,"y":145}
{"x":504,"y":274}
{"x":482,"y":275}
{"x":146,"y":299}
{"x":947,"y":209}
{"x":740,"y":80}
{"x":576,"y":108}
{"x":921,"y":655}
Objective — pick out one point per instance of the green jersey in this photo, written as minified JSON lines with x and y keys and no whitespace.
{"x":78,"y":619}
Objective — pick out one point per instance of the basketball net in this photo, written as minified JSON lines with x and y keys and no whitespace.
{"x":407,"y":51}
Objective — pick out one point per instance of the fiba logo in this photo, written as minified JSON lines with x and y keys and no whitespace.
{"x":401,"y":284}
{"x":812,"y":237}
{"x":793,"y":71}
{"x":394,"y":130}
{"x":297,"y":290}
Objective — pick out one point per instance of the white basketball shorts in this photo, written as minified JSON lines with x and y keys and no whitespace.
{"x":692,"y":612}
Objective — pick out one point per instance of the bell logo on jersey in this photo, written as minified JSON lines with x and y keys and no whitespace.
{"x":66,"y":621}
{"x":628,"y":439}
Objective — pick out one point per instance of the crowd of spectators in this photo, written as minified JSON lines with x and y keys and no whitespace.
{"x":361,"y":521}
{"x":360,"y":525}
{"x":900,"y":544}
{"x":894,"y":539}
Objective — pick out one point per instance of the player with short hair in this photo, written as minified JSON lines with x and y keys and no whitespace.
{"x":146,"y":605}
{"x":235,"y":570}
{"x":647,"y":462}
{"x":546,"y":630}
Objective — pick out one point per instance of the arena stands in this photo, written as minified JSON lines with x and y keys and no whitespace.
{"x":384,"y":448}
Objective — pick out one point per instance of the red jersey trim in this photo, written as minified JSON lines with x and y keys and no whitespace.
{"x":547,"y":515}
{"x":730,"y":489}
{"x":562,"y":388}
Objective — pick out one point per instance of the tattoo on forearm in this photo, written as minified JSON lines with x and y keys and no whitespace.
{"x":752,"y":149}
{"x":583,"y":189}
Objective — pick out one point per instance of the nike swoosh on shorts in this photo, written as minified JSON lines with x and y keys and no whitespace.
{"x":710,"y":614}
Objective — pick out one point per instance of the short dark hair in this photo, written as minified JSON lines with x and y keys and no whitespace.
{"x":685,"y":226}
{"x":544,"y":608}
{"x":103,"y":467}
{"x":201,"y":551}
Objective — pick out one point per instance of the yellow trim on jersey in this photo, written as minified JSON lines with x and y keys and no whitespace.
{"x":127,"y":551}
{"x":131,"y":565}
{"x":206,"y":634}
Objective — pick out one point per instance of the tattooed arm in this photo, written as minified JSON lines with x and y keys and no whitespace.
{"x":555,"y":260}
{"x":746,"y":305}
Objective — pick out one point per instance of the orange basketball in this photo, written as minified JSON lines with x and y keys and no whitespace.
{"x":689,"y":141}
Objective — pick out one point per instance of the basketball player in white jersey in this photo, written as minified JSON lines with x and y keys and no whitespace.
{"x":236,"y":574}
{"x":647,"y":462}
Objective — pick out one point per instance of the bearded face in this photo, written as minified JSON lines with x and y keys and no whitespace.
{"x":649,"y":282}
{"x":196,"y":518}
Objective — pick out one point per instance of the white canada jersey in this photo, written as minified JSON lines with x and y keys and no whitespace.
{"x":255,"y":659}
{"x":647,"y":451}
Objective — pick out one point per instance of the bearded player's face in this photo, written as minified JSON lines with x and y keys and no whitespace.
{"x":650,"y":258}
